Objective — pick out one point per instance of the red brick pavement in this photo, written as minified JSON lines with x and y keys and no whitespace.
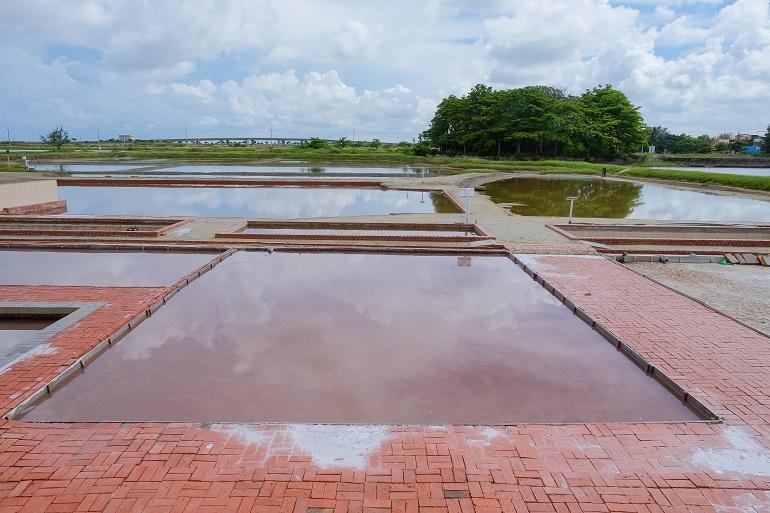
{"x":657,"y":467}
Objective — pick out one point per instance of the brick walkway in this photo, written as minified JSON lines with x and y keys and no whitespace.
{"x":566,"y":469}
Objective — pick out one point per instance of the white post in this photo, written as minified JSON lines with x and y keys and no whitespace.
{"x":571,"y":200}
{"x":467,"y":192}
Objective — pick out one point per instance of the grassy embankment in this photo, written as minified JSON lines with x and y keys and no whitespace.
{"x":12,"y":166}
{"x":757,"y":183}
{"x":385,"y":155}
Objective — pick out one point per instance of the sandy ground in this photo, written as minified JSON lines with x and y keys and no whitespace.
{"x":740,"y":291}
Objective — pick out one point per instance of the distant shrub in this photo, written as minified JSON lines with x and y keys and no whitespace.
{"x":423,"y":150}
{"x":315,"y":143}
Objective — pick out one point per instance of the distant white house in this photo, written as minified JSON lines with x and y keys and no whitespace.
{"x":126,"y":138}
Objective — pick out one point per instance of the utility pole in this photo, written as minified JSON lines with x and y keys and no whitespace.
{"x":271,"y":134}
{"x":8,"y":150}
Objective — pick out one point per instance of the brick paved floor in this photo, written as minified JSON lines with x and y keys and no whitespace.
{"x":566,"y":469}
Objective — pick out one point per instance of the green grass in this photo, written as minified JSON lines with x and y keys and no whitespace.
{"x":385,"y":155}
{"x":14,"y":166}
{"x":757,"y":183}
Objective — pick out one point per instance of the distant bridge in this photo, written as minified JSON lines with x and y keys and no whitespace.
{"x":247,"y":140}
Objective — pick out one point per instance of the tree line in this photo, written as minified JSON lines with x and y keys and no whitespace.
{"x":666,"y":142}
{"x":539,"y":121}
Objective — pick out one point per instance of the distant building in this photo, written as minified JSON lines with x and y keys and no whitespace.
{"x":749,"y":139}
{"x":126,"y":138}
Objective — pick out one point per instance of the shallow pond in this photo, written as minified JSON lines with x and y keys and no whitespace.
{"x":252,"y":202}
{"x":546,"y":196}
{"x":240,"y":171}
{"x":354,"y":338}
{"x":291,"y":170}
{"x":96,"y":268}
{"x":86,"y":167}
{"x":358,"y":232}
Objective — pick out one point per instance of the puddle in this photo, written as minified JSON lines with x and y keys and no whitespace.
{"x":546,"y":196}
{"x":372,"y":339}
{"x":251,"y":202}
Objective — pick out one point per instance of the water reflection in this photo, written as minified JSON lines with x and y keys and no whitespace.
{"x":273,"y":202}
{"x":363,"y":338}
{"x":86,"y":167}
{"x":546,"y":196}
{"x":112,"y":269}
{"x":16,"y":332}
{"x":293,"y":170}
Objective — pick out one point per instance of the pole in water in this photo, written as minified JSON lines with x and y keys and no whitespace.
{"x":571,"y":200}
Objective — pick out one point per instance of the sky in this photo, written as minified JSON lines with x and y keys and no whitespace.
{"x":367,"y":69}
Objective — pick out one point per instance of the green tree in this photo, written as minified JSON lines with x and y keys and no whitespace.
{"x":536,"y":120}
{"x":315,"y":143}
{"x":375,"y":143}
{"x":613,"y":126}
{"x":658,"y":137}
{"x":57,"y":137}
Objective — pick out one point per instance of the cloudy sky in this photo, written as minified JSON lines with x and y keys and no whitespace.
{"x":367,"y":68}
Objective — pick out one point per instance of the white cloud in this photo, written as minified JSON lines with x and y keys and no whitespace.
{"x":330,"y":67}
{"x":320,"y":102}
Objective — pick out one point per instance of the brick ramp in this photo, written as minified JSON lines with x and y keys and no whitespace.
{"x":650,"y":467}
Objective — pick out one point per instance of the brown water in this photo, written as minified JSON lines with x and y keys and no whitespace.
{"x":345,"y":338}
{"x":86,"y":268}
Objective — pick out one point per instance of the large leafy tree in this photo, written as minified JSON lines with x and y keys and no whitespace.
{"x":537,"y":120}
{"x":613,"y":126}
